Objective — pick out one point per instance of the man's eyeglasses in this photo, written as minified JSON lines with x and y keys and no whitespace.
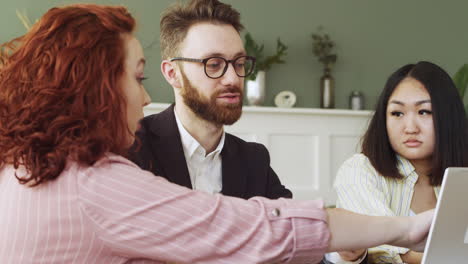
{"x":216,"y":67}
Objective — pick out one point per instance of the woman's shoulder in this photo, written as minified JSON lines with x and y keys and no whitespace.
{"x":110,"y":175}
{"x":111,"y":159}
{"x":358,"y":166}
{"x":360,"y":161}
{"x":109,"y":165}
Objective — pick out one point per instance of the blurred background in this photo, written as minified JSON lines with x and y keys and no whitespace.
{"x":373,"y":38}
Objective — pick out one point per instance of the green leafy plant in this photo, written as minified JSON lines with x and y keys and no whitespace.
{"x":263,"y":63}
{"x":23,"y":17}
{"x":8,"y":48}
{"x":461,"y":81}
{"x":323,"y":47}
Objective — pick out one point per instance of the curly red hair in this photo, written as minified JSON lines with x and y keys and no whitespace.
{"x":60,"y":97}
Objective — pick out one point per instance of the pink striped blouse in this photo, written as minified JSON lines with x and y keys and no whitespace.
{"x":115,"y":212}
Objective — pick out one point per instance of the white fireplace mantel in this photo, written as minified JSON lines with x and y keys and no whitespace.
{"x":306,"y":145}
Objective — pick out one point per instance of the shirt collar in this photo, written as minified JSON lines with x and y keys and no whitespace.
{"x":408,"y":171}
{"x":190,"y":144}
{"x":405,"y":167}
{"x":220,"y":146}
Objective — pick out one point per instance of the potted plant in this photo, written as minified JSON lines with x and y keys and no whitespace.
{"x":461,"y":82}
{"x":323,"y":48}
{"x":8,"y":49}
{"x":23,"y":17}
{"x":255,"y":85}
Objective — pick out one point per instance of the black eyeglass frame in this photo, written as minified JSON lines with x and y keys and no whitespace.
{"x":204,"y":61}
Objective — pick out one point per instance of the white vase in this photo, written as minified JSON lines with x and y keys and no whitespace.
{"x":327,"y":93}
{"x":256,"y":89}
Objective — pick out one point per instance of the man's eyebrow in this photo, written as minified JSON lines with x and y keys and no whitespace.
{"x":240,"y":53}
{"x":217,"y":54}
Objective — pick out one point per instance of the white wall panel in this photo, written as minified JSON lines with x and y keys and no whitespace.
{"x":295,"y":159}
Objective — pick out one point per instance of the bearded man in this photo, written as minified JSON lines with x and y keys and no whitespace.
{"x":205,"y":62}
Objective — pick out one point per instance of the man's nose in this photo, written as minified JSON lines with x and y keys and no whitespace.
{"x":230,"y":77}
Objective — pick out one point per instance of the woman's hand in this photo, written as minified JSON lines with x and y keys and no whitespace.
{"x":418,"y":229}
{"x":412,"y":257}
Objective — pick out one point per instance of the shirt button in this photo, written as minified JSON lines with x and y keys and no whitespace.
{"x":276,"y":212}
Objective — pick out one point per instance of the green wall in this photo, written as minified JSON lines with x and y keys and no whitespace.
{"x":374,"y":37}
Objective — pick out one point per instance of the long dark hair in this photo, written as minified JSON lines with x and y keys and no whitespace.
{"x":450,"y":123}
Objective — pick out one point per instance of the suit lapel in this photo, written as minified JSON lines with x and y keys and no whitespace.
{"x":169,"y":149}
{"x":234,"y":176}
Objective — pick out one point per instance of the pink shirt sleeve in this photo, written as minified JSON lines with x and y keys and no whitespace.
{"x":140,"y":215}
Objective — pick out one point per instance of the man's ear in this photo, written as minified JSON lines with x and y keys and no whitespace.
{"x":169,"y":71}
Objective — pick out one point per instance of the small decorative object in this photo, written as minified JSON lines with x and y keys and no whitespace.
{"x":356,"y":100}
{"x":323,"y":48}
{"x":327,"y":93}
{"x":255,"y":84}
{"x":285,"y":99}
{"x":256,"y":89}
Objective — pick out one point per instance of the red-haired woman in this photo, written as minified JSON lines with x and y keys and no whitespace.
{"x":71,"y":95}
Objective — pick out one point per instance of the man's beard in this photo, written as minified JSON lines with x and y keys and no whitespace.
{"x":208,"y":108}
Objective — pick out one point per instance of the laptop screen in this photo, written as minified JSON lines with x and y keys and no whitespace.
{"x":448,"y":237}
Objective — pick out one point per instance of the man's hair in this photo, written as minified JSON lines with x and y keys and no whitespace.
{"x":449,"y":117}
{"x":60,"y":95}
{"x":177,"y":20}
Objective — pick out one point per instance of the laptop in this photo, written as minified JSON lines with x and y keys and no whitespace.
{"x":447,"y":242}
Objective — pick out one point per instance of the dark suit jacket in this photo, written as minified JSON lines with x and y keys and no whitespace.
{"x":246,"y":170}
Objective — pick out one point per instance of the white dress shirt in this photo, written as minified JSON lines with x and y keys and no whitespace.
{"x":205,"y":169}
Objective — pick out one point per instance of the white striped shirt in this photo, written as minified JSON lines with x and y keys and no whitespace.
{"x":361,"y":189}
{"x":114,"y":212}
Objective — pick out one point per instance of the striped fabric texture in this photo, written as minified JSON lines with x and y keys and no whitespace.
{"x":114,"y":212}
{"x":361,"y":189}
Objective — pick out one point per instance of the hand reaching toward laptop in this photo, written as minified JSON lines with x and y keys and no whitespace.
{"x":346,"y":231}
{"x":417,"y":230}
